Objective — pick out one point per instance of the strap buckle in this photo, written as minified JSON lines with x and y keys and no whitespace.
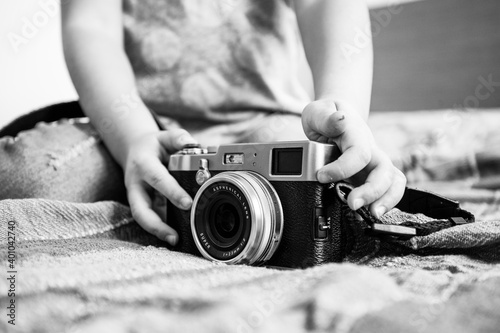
{"x":447,"y":212}
{"x":375,"y":226}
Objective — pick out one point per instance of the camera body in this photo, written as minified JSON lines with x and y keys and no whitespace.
{"x":259,"y":203}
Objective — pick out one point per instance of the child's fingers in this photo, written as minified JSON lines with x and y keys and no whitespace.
{"x":352,"y":161}
{"x":140,"y":205}
{"x":375,"y":186}
{"x":156,"y":175}
{"x":384,"y":187}
{"x":391,"y":198}
{"x":175,"y":139}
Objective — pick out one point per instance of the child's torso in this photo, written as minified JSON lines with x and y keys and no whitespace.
{"x":216,"y":60}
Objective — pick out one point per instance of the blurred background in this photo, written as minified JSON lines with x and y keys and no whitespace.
{"x":429,"y":54}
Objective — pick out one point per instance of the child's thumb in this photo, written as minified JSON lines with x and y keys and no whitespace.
{"x":323,"y":118}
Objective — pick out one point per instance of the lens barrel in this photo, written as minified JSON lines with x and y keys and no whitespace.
{"x":237,"y":218}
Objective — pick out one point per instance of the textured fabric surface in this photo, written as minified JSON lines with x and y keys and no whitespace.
{"x":61,"y":160}
{"x":90,"y":268}
{"x":443,"y":145}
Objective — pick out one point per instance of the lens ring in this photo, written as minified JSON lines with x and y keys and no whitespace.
{"x":263,"y":217}
{"x":213,"y":242}
{"x":222,"y":218}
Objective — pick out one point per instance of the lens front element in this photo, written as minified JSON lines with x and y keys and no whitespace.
{"x":237,"y":218}
{"x":227,"y":221}
{"x":224,"y":220}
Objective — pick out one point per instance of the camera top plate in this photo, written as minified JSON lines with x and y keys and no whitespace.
{"x":276,"y":161}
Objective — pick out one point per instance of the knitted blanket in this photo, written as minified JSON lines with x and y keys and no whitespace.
{"x":88,"y":267}
{"x":91,"y":268}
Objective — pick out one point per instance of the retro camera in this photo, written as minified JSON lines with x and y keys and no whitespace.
{"x":259,"y":204}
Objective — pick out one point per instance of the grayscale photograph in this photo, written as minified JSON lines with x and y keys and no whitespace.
{"x":249,"y":166}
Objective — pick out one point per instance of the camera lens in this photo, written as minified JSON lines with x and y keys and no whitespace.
{"x":222,"y":220}
{"x":237,"y":218}
{"x":225,"y":223}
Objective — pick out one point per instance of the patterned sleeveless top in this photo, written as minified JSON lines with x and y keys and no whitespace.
{"x":217,"y":61}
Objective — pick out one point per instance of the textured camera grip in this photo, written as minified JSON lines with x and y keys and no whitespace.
{"x":180,"y":219}
{"x":298,"y":247}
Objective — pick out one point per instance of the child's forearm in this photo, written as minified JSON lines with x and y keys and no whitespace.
{"x":337,"y":40}
{"x":103,"y":77}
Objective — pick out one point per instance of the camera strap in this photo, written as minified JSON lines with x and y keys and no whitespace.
{"x":447,"y":213}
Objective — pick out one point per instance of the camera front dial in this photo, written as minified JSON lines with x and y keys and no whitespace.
{"x":237,"y":218}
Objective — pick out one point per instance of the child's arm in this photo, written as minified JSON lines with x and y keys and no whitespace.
{"x":337,"y":41}
{"x":102,"y":75}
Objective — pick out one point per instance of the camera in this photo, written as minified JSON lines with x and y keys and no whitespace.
{"x":259,"y":204}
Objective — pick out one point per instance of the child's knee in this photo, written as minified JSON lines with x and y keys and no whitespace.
{"x":60,"y":161}
{"x":12,"y":159}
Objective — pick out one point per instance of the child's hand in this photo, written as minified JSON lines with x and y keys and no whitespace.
{"x":145,"y":170}
{"x":381,"y":184}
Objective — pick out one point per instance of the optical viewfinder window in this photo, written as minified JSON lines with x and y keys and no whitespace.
{"x":287,"y":161}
